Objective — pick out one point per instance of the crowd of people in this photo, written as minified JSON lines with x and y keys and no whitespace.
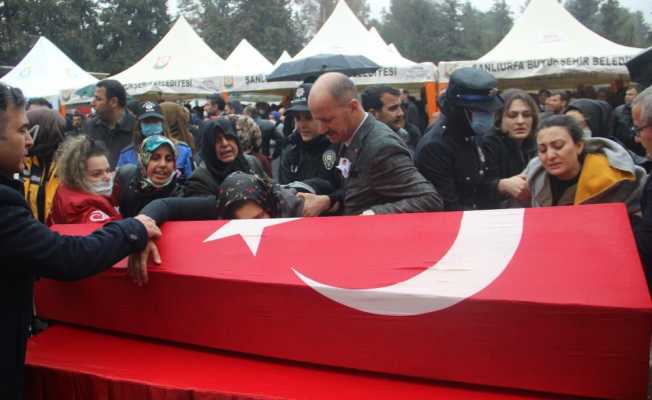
{"x":327,"y":151}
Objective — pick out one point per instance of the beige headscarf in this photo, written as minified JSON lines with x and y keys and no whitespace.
{"x":177,"y":118}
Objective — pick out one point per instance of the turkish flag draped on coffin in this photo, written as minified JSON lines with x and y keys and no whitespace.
{"x":550,"y":299}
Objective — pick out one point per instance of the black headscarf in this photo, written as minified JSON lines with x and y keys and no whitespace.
{"x":597,"y":113}
{"x":217,"y":168}
{"x":239,"y":188}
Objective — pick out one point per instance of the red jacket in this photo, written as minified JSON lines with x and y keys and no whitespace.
{"x":74,"y":207}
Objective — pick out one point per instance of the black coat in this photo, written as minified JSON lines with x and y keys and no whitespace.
{"x":29,"y":250}
{"x":310,"y":162}
{"x":268,"y":132}
{"x":206,"y":179}
{"x":115,"y":139}
{"x":131,"y":198}
{"x":598,"y":115}
{"x":452,"y":158}
{"x":623,"y":124}
{"x":643,"y":232}
{"x":506,"y":158}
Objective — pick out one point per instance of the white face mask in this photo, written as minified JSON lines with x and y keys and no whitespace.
{"x":103,"y":188}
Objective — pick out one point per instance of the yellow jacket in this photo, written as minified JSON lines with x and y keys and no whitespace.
{"x":608,"y":175}
{"x":40,"y":185}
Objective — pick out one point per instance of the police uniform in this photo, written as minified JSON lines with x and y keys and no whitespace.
{"x":450,"y":155}
{"x":312,"y":163}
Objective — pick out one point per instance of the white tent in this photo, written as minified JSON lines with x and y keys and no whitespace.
{"x":374,"y":32}
{"x":246,"y":60}
{"x":285,"y":57}
{"x":246,"y":70}
{"x":46,"y":71}
{"x":175,"y":67}
{"x":343,"y":33}
{"x":548,"y":46}
{"x":393,"y":48}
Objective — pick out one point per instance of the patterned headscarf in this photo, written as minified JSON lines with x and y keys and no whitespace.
{"x":240,"y":187}
{"x":147,"y":148}
{"x":248,"y":133}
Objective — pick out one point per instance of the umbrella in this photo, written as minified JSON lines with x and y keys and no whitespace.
{"x":640,"y":68}
{"x":309,"y":68}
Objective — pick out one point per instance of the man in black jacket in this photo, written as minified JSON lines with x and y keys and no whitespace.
{"x":112,"y":123}
{"x":384,"y":103}
{"x":29,"y":249}
{"x":623,"y":122}
{"x":308,"y":157}
{"x":450,"y":155}
{"x":642,"y":126}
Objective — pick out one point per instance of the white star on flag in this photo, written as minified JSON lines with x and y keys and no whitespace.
{"x":251,"y":230}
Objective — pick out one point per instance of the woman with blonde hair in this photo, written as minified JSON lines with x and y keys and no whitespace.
{"x":84,"y":194}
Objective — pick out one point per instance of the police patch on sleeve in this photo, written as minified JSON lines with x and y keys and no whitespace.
{"x":328,"y":158}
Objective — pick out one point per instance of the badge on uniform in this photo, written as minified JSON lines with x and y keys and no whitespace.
{"x":344,"y":166}
{"x":328,"y":158}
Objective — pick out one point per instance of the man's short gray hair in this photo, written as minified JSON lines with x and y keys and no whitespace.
{"x":343,"y":89}
{"x":644,"y":102}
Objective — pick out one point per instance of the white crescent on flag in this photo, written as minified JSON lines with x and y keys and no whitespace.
{"x":485,"y":244}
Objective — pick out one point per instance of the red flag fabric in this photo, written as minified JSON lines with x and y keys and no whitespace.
{"x":552,"y":300}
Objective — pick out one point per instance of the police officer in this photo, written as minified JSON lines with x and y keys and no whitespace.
{"x":309,"y":157}
{"x":450,"y":154}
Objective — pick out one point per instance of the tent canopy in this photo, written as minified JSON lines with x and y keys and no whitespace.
{"x":246,"y":60}
{"x":285,"y":57}
{"x":175,"y":67}
{"x":343,"y":33}
{"x":46,"y":71}
{"x":548,"y":47}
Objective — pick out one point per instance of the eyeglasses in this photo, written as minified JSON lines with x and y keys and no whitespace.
{"x":638,"y":129}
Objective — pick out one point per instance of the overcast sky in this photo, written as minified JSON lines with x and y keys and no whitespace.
{"x":484,"y":5}
{"x":515,"y":5}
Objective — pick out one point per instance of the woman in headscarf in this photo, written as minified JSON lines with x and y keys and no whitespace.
{"x":177,"y":118}
{"x":155,"y":176}
{"x":84,"y":194}
{"x":510,"y":146}
{"x":571,"y":169}
{"x":151,"y":123}
{"x":222,"y":155}
{"x":595,"y":117}
{"x":40,"y":180}
{"x":250,"y":138}
{"x":241,"y":196}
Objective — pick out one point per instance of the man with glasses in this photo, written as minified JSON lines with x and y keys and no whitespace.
{"x":642,"y":120}
{"x":450,"y":154}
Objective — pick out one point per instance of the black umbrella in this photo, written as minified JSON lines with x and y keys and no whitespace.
{"x":640,"y":68}
{"x":309,"y":68}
